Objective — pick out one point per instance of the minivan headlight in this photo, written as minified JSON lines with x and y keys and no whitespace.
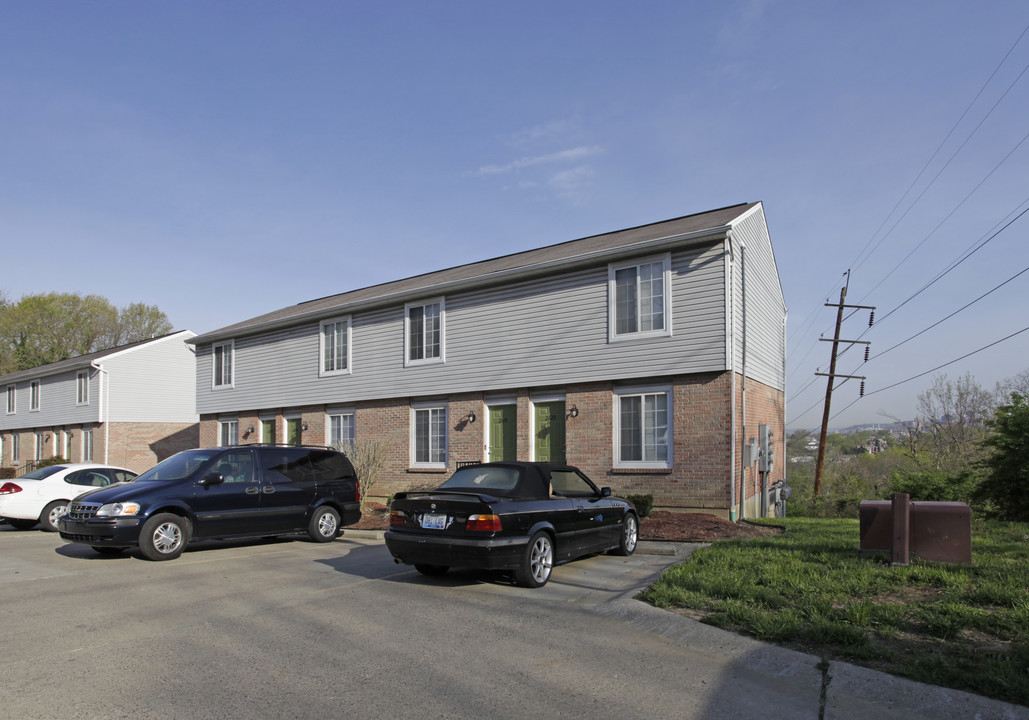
{"x":118,"y":509}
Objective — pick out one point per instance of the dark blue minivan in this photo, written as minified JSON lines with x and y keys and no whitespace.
{"x":218,"y":493}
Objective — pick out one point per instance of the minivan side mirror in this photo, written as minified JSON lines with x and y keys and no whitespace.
{"x":211,"y":479}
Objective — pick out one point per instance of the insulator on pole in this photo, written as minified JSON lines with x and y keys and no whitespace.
{"x":871,"y":318}
{"x":867,"y":349}
{"x":862,"y":388}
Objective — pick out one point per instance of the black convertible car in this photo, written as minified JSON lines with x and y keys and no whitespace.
{"x":519,"y":516}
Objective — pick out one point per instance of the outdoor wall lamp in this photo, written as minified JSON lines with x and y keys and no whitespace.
{"x":574,"y":412}
{"x":46,"y":437}
{"x":303,"y":427}
{"x":250,"y":430}
{"x":470,"y":417}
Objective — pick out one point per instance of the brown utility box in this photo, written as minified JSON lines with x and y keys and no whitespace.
{"x":939,"y":531}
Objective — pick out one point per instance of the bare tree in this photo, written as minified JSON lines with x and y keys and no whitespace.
{"x":952,"y":417}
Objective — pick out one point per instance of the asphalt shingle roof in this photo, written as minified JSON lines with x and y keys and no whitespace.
{"x":482,"y":270}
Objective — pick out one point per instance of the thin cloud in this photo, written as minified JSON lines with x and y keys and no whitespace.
{"x":570,"y":155}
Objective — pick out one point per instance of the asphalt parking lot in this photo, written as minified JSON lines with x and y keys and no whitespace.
{"x":293,"y":629}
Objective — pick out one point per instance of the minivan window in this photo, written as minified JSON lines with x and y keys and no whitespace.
{"x":178,"y":466}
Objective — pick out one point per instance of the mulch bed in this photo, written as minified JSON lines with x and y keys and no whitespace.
{"x":660,"y":525}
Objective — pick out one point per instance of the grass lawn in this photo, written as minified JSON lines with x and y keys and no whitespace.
{"x":958,"y":626}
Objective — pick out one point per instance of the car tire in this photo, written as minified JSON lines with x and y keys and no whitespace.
{"x":164,"y":537}
{"x":108,"y":551}
{"x":537,"y":561}
{"x":431,"y":570}
{"x":54,"y":510}
{"x":630,"y":536}
{"x":20,"y":524}
{"x":324,"y":525}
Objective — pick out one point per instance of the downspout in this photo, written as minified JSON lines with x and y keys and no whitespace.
{"x":743,"y":392}
{"x":104,"y":407}
{"x":730,"y":305}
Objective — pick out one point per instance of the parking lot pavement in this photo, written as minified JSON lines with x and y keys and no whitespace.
{"x":277,"y":629}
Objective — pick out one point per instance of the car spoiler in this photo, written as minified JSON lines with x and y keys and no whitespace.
{"x":410,"y":494}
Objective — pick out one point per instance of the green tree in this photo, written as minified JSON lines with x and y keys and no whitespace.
{"x":138,"y":321}
{"x":1005,"y":488}
{"x":49,"y":327}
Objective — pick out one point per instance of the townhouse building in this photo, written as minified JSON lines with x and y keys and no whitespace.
{"x":648,"y":357}
{"x":131,"y":406}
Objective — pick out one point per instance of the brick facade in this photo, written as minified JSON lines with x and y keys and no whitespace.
{"x":698,"y":481}
{"x":136,"y":446}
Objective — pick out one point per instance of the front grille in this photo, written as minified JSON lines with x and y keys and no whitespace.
{"x":82,"y":510}
{"x":78,"y":538}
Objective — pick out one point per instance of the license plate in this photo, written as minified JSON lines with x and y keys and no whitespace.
{"x":434,"y":522}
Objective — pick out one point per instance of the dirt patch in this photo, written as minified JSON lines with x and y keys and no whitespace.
{"x":660,"y":525}
{"x":697,"y":527}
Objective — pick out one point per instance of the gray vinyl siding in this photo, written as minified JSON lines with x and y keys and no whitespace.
{"x":56,"y":403}
{"x":766,"y":308}
{"x":541,"y":332}
{"x":152,"y":383}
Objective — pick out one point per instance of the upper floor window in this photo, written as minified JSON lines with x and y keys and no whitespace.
{"x":335,"y":346}
{"x":639,"y":299}
{"x":223,"y":360}
{"x":82,"y":388}
{"x":12,"y":397}
{"x":643,"y":435}
{"x":34,"y":390}
{"x":424,"y":327}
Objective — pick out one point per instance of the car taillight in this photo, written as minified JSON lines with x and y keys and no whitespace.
{"x":9,"y":489}
{"x":357,"y":489}
{"x":397,"y":517}
{"x":487,"y":523}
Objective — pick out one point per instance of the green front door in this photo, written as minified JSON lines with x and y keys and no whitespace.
{"x":294,"y":431}
{"x":503,"y":433}
{"x":550,"y":432}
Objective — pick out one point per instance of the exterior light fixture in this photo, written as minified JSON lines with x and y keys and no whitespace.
{"x":574,"y":412}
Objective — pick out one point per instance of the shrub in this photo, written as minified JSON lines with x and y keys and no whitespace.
{"x":937,"y":486}
{"x":7,"y":473}
{"x":644,"y":503}
{"x":55,"y":460}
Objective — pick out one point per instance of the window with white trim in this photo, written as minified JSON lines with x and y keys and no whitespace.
{"x":15,"y":447}
{"x":87,"y":446}
{"x":223,"y":360}
{"x":429,"y":436}
{"x":40,"y":446}
{"x":82,"y":388}
{"x":341,"y":428}
{"x":34,"y":392}
{"x":12,"y":399}
{"x":639,"y":303}
{"x":228,"y":432}
{"x":643,"y":436}
{"x":424,"y":333}
{"x":334,"y":347}
{"x":66,"y":453}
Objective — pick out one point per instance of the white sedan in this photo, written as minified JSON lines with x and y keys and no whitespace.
{"x":42,"y":495}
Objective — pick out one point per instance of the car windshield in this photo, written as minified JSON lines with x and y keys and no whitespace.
{"x":177,"y":467}
{"x":482,"y":478}
{"x":43,"y":472}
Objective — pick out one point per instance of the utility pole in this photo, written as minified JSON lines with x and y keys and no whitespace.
{"x":836,"y":341}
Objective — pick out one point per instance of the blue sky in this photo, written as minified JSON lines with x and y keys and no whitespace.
{"x":226,"y":159}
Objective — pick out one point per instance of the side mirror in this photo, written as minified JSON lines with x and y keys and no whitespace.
{"x":212,"y":479}
{"x":605,"y":492}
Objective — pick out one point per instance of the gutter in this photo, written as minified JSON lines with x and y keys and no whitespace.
{"x":647,"y":246}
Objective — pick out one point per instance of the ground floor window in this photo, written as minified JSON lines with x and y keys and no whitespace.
{"x":429,"y":436}
{"x":40,"y":446}
{"x":228,"y":432}
{"x":15,"y":448}
{"x":341,"y":428}
{"x":643,"y":438}
{"x":66,"y":453}
{"x":87,"y":446}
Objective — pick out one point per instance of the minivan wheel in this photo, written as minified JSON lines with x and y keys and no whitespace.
{"x":164,"y":537}
{"x":324,"y":525}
